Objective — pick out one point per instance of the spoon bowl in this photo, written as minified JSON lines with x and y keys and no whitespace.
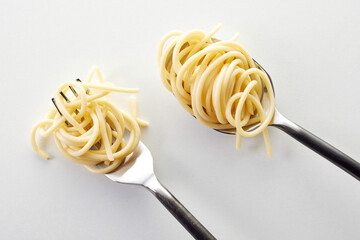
{"x":264,"y":102}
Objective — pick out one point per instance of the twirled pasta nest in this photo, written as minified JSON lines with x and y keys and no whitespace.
{"x":216,"y":81}
{"x":87,"y":127}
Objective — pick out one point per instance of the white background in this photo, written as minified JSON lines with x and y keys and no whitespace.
{"x":310,"y":48}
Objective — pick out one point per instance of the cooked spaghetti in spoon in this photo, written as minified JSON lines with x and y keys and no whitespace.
{"x":87,"y":128}
{"x":217,"y":82}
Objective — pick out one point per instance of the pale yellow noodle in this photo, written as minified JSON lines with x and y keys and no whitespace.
{"x":216,"y":81}
{"x":141,"y":122}
{"x":90,"y":130}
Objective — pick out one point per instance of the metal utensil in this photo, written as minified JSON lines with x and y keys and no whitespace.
{"x":313,"y":142}
{"x":138,"y":169}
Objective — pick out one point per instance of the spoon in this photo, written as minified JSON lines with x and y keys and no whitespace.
{"x":138,"y":169}
{"x":305,"y":137}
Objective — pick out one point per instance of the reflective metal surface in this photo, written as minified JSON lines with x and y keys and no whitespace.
{"x":138,"y":169}
{"x":313,"y":142}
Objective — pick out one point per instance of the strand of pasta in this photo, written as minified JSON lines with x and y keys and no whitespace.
{"x":216,"y":81}
{"x":87,"y":128}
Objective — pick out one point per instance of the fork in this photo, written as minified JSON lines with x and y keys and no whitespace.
{"x":138,"y":169}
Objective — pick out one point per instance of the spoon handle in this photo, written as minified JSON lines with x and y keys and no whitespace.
{"x":192,"y":225}
{"x":318,"y":145}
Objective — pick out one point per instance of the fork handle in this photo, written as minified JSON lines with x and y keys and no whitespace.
{"x":192,"y":225}
{"x":318,"y":145}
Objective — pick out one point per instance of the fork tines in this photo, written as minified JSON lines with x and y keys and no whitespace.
{"x":67,"y":100}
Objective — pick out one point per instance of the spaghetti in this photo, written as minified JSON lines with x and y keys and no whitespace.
{"x":217,"y":82}
{"x":87,"y":128}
